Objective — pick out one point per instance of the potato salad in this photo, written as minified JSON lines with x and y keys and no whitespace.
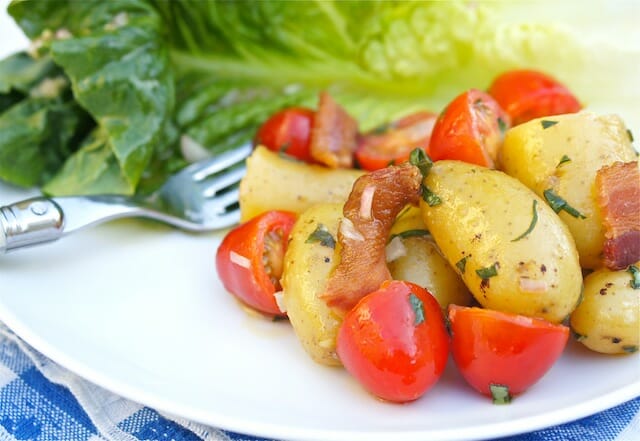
{"x":492,"y":231}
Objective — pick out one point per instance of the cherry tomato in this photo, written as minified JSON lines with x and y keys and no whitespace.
{"x":249,"y":259}
{"x":470,"y":129}
{"x":527,"y":94}
{"x":288,"y":131}
{"x":394,"y":143}
{"x":394,"y":341}
{"x":502,"y":354}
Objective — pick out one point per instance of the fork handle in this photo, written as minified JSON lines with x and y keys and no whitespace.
{"x":29,"y":222}
{"x":41,"y":220}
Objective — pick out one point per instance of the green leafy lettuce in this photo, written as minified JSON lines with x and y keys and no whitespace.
{"x":135,"y":77}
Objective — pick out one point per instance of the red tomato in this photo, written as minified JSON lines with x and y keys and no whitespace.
{"x":249,"y":259}
{"x":502,"y":351}
{"x":288,"y":131}
{"x":470,"y":129}
{"x":380,"y":148}
{"x":394,"y":341}
{"x":527,"y":94}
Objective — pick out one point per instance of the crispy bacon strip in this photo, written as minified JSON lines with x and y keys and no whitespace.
{"x":333,"y":134}
{"x":618,"y":193}
{"x":372,"y":207}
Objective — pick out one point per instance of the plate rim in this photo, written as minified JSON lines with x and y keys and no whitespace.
{"x":242,"y":425}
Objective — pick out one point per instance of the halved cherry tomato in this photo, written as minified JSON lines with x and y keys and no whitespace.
{"x":502,"y":354}
{"x":289,"y":132}
{"x":394,"y":341}
{"x":528,"y":94}
{"x":470,"y":129}
{"x":393,"y":144}
{"x":249,"y":259}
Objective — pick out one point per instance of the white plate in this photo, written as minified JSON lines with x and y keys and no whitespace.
{"x":137,"y":308}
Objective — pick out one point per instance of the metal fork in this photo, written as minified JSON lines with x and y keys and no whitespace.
{"x":201,"y":197}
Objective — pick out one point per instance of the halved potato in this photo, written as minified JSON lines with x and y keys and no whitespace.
{"x":307,"y":265}
{"x":513,"y":252}
{"x":561,"y":155}
{"x":608,"y":318}
{"x":273,"y":182}
{"x":422,"y":262}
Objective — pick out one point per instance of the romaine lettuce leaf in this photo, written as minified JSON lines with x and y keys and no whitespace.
{"x":114,"y":55}
{"x":149,"y":71}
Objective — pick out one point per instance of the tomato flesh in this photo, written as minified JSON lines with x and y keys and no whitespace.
{"x":383,"y":343}
{"x":503,"y":349}
{"x":470,"y":129}
{"x":288,"y":132}
{"x":393,"y":144}
{"x":250,"y":257}
{"x":528,"y":94}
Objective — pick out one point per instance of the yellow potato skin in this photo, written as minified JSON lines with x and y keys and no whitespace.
{"x":273,"y":182}
{"x":533,"y":155}
{"x":306,"y":270}
{"x":424,"y":264}
{"x":608,"y":318}
{"x":481,"y":214}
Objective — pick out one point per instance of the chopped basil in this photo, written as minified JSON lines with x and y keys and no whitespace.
{"x":420,"y":159}
{"x":548,"y":123}
{"x":502,"y":126}
{"x":410,"y":233}
{"x":321,"y":234}
{"x":534,"y":221}
{"x":418,"y":308}
{"x":430,"y":197}
{"x":500,"y":393}
{"x":635,"y":276}
{"x":577,"y":336}
{"x":382,"y":128}
{"x":488,"y":272}
{"x":284,"y":147}
{"x":390,"y":163}
{"x":630,"y":349}
{"x":630,"y":134}
{"x":564,"y":159}
{"x":558,"y":204}
{"x":462,"y":264}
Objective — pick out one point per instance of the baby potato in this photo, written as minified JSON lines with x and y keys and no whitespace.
{"x":608,"y":318}
{"x":512,"y":251}
{"x":422,"y":262}
{"x":308,"y":261}
{"x":560,"y":155}
{"x":273,"y":182}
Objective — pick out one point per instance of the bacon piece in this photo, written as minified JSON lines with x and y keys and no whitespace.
{"x":618,"y":194}
{"x":363,"y":236}
{"x":333,"y":134}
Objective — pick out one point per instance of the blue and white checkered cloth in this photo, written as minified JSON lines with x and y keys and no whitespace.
{"x":41,"y":401}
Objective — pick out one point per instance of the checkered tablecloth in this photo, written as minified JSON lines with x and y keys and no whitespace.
{"x":41,"y":401}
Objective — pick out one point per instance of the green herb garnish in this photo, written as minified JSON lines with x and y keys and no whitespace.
{"x":322,"y":235}
{"x":418,"y":308}
{"x":488,"y":272}
{"x":430,"y":197}
{"x":558,"y":204}
{"x":564,"y":159}
{"x":410,"y":233}
{"x":630,"y":349}
{"x":630,"y":134}
{"x":420,"y":159}
{"x":547,"y":123}
{"x":500,"y":394}
{"x":534,"y":221}
{"x":462,"y":264}
{"x":635,"y":276}
{"x":577,"y":336}
{"x":502,"y":126}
